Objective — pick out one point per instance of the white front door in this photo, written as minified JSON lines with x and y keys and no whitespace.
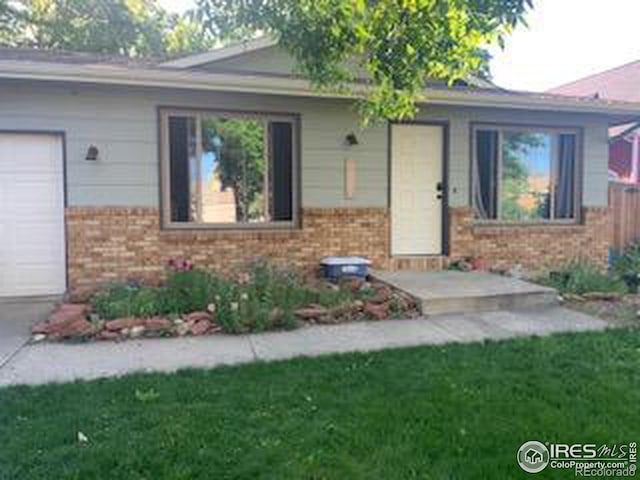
{"x":416,"y":202}
{"x":32,"y":240}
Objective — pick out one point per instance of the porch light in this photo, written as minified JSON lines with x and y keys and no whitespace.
{"x":351,"y":139}
{"x":92,"y":153}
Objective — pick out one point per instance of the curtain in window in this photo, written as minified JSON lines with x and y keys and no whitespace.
{"x":485,"y":179}
{"x":565,"y":189}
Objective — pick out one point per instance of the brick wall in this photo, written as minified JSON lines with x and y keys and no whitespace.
{"x":534,"y":247}
{"x":108,"y":244}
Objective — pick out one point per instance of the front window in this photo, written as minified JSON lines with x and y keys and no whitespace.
{"x":227,"y":169}
{"x":524,"y":175}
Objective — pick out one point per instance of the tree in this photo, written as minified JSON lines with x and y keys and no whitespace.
{"x":240,"y":159}
{"x":399,"y":43}
{"x":125,"y":27}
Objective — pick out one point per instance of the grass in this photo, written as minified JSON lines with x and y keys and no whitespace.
{"x":449,"y":412}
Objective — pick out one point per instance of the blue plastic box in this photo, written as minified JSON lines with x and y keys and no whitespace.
{"x":335,"y":268}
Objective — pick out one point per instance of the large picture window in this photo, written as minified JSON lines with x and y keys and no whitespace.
{"x":524,"y":175}
{"x":227,"y":169}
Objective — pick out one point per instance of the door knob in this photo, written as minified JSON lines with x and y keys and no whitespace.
{"x":439,"y":196}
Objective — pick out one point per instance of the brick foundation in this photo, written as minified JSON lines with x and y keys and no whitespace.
{"x":108,"y":244}
{"x":534,"y":247}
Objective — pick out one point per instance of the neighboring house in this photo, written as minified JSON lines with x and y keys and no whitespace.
{"x":618,"y":84}
{"x":110,"y":167}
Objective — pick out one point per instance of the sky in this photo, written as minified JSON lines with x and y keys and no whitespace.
{"x":565,"y":40}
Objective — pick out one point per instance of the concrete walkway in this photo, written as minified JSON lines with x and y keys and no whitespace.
{"x":16,"y":318}
{"x":50,"y":362}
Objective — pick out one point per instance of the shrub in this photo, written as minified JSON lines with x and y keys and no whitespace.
{"x":627,"y":266}
{"x":580,"y":277}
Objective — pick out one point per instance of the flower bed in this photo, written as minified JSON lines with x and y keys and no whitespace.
{"x":195,"y":302}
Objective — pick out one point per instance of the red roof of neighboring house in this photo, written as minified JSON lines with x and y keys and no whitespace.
{"x":620,"y":83}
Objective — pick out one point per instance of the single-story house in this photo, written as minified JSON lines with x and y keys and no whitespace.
{"x":110,"y":167}
{"x":619,"y":84}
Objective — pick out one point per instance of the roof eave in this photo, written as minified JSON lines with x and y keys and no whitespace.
{"x":190,"y":80}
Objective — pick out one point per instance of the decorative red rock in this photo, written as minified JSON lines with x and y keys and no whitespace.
{"x":311,"y":311}
{"x":155,"y":324}
{"x":201,"y":327}
{"x":67,"y":313}
{"x":383,"y":294}
{"x":379,"y":312}
{"x":121,"y":323}
{"x":194,"y":317}
{"x":107,"y":335}
{"x":75,"y":329}
{"x":40,"y":327}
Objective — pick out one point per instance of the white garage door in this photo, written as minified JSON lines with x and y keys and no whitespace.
{"x":32,"y":242}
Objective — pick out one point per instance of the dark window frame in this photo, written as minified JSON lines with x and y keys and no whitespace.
{"x":165,"y":181}
{"x":552,"y":129}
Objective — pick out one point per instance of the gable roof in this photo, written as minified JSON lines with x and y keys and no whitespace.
{"x":73,"y":58}
{"x":216,"y":54}
{"x":620,"y":83}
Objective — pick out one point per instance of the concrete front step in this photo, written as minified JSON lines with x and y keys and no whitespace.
{"x":467,"y":292}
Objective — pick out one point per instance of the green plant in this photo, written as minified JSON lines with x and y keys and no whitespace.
{"x":264,"y":298}
{"x":580,"y":277}
{"x":188,"y":291}
{"x":128,"y":300}
{"x":627,"y":266}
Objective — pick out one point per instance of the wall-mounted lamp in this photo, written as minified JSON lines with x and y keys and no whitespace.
{"x":351,"y":139}
{"x":92,"y":153}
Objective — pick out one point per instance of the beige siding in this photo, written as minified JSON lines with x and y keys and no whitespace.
{"x":122,"y":123}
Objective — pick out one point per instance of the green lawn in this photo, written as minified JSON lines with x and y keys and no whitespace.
{"x":449,"y":412}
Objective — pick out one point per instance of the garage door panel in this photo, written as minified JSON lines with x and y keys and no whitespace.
{"x":25,"y":153}
{"x":32,"y":244}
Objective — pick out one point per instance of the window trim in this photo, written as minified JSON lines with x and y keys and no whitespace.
{"x":501,"y":127}
{"x":164,"y":112}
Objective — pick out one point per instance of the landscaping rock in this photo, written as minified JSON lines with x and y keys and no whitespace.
{"x":124,"y":323}
{"x":38,"y":337}
{"x":377,"y":311}
{"x":76,"y":329}
{"x":80,"y":295}
{"x":157,"y":324}
{"x":67,"y":313}
{"x":201,"y":327}
{"x":182,"y":329}
{"x":605,"y":296}
{"x":571,"y":297}
{"x":275,"y":316}
{"x":383,"y":295}
{"x":108,"y":335}
{"x":311,"y":311}
{"x":137,"y":331}
{"x":195,"y":317}
{"x":40,"y":328}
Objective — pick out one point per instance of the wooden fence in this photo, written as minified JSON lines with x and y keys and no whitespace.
{"x":624,"y":202}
